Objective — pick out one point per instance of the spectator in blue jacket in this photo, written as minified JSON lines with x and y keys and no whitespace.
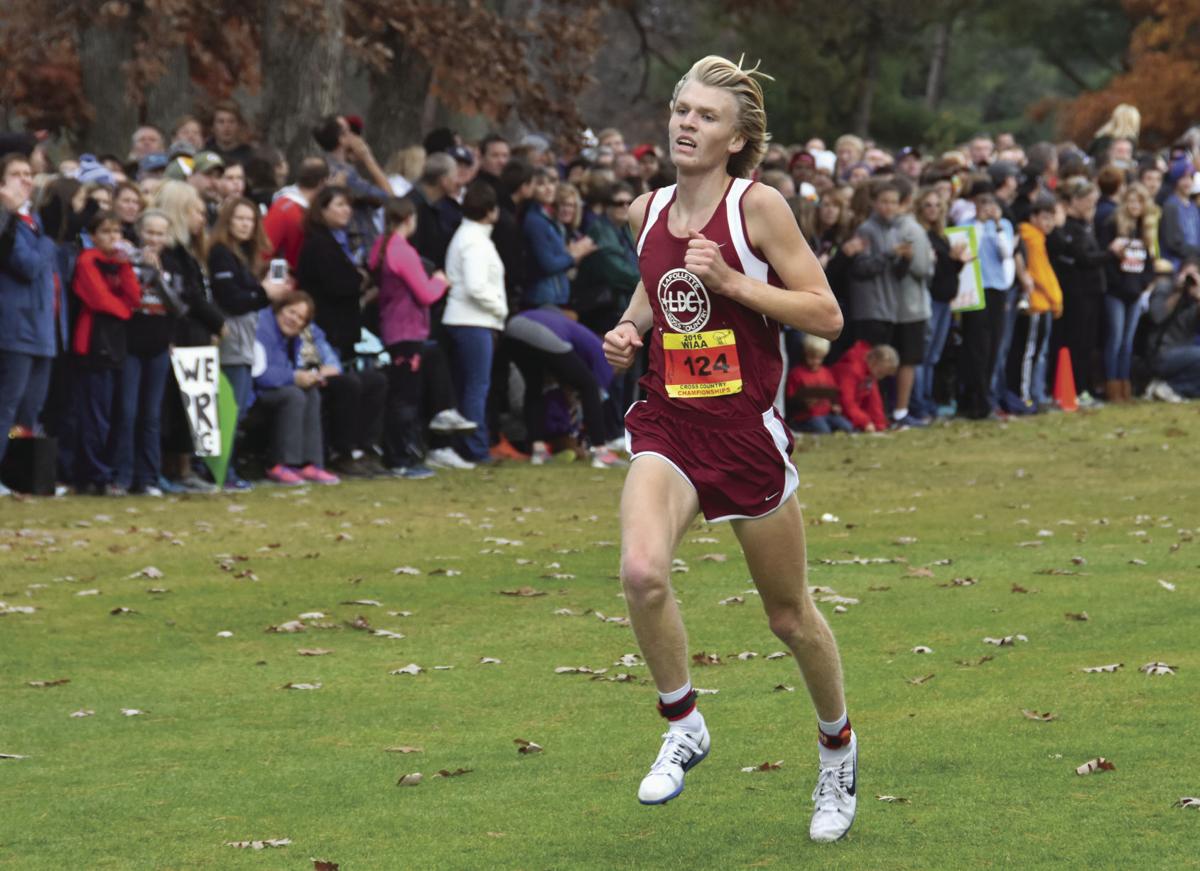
{"x":289,"y":393}
{"x":32,"y":311}
{"x":549,"y":256}
{"x":1179,"y":232}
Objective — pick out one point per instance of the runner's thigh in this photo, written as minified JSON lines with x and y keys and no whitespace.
{"x":657,"y":506}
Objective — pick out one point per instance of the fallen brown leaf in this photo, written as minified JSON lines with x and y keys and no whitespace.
{"x":714,"y":558}
{"x":1041,"y":718}
{"x":784,"y":688}
{"x":895,"y":799}
{"x":523,"y":592}
{"x":766,"y":766}
{"x":1097,"y":669}
{"x":527,"y":747}
{"x":411,"y":668}
{"x":404,"y":748}
{"x":1157,"y":668}
{"x":703,"y":658}
{"x":289,"y":626}
{"x":919,"y":572}
{"x":122,"y":610}
{"x":458,"y":772}
{"x":1097,"y":764}
{"x":413,"y":779}
{"x":489,"y":660}
{"x":258,"y":845}
{"x":324,"y":865}
{"x":1189,"y":802}
{"x":12,"y":756}
{"x":301,"y":686}
{"x":313,"y":651}
{"x":921,"y":648}
{"x":1081,"y":616}
{"x":917,"y":681}
{"x":971,"y":663}
{"x":49,"y":683}
{"x":732,"y":600}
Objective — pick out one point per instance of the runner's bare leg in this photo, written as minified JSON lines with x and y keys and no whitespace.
{"x":775,"y":552}
{"x":657,"y":507}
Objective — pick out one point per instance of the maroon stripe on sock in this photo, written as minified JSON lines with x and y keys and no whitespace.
{"x":680,"y":709}
{"x":834,"y":742}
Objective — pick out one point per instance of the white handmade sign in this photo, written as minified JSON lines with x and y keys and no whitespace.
{"x":198,"y":373}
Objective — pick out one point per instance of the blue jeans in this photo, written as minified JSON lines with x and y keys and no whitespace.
{"x":826,"y":424}
{"x":96,"y":395}
{"x":1000,"y":367}
{"x":137,"y":455}
{"x":473,"y":349}
{"x":24,"y":382}
{"x":937,"y":329}
{"x":242,"y":382}
{"x":1180,"y":367}
{"x":1119,"y":326}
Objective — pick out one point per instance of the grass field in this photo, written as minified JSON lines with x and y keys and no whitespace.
{"x":1053,"y":516}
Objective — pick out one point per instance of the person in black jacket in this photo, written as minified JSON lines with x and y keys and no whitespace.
{"x":237,"y":263}
{"x":1080,"y":269}
{"x":138,"y":436}
{"x":200,"y":322}
{"x":1128,"y":237}
{"x":930,"y":212}
{"x":354,"y":399}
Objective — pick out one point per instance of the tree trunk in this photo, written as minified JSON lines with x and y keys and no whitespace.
{"x":866,"y":92}
{"x":301,"y":73}
{"x":394,"y":115}
{"x":105,"y":45}
{"x":937,"y":63}
{"x":170,"y":97}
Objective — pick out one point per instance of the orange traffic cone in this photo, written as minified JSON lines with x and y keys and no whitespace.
{"x":1064,"y":382}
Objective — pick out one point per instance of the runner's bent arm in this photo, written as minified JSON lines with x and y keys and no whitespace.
{"x":806,"y":302}
{"x":622,"y":342}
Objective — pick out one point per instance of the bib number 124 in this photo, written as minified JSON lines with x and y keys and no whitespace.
{"x":701,"y":365}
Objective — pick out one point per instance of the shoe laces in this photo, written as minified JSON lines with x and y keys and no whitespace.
{"x":678,"y":747}
{"x":833,"y":785}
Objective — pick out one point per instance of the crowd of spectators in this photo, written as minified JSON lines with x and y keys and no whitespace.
{"x":446,"y":309}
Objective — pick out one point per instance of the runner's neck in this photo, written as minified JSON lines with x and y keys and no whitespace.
{"x":697,"y":199}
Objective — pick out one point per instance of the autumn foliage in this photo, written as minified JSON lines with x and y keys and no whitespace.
{"x":1163,"y":69}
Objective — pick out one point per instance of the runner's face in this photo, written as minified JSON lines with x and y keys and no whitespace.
{"x":702,"y":128}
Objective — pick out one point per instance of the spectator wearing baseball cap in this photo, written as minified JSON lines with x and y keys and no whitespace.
{"x":1179,"y":233}
{"x":908,"y":162}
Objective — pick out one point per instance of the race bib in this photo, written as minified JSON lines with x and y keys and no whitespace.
{"x":702,"y":364}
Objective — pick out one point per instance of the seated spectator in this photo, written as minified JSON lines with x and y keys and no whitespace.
{"x":108,"y":294}
{"x":475,"y":309}
{"x":33,"y":312}
{"x":811,"y":391}
{"x":288,"y":395}
{"x":858,"y":374}
{"x":550,"y":258}
{"x":1171,"y":348}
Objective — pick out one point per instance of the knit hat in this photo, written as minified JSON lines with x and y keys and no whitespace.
{"x":156,"y":162}
{"x":1180,"y":167}
{"x":92,"y":171}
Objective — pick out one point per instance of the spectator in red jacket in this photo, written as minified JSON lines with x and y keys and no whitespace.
{"x":810,"y":393}
{"x":108,"y":293}
{"x":284,"y":221}
{"x":857,"y":375}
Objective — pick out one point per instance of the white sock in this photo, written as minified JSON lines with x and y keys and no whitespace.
{"x":900,"y":414}
{"x":693,"y":722}
{"x":833,"y":755}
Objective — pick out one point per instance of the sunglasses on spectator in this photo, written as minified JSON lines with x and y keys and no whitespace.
{"x":620,"y":203}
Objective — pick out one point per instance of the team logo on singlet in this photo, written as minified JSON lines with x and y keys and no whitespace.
{"x":684,"y":301}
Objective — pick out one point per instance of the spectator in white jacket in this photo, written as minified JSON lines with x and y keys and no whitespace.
{"x":475,"y":310}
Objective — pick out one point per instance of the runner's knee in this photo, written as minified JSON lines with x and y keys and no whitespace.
{"x":645,"y":579}
{"x":792,"y":624}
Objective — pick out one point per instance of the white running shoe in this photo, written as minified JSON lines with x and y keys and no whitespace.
{"x":680,"y":752}
{"x":835,"y":797}
{"x":1163,"y":392}
{"x":449,"y":420}
{"x":447,"y":458}
{"x":539,"y":454}
{"x":603,"y":458}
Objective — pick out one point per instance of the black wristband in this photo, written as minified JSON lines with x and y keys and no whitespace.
{"x":627,"y":321}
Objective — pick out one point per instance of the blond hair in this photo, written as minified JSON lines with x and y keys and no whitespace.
{"x":1124,"y":123}
{"x":751,"y":124}
{"x":814,"y":344}
{"x":1127,"y":225}
{"x":175,"y":198}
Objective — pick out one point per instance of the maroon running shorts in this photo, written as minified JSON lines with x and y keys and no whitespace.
{"x":739,"y":469}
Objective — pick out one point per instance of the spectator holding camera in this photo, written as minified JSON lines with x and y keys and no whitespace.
{"x":1171,"y":347}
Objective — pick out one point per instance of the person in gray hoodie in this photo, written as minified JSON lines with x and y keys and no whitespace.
{"x":888,"y":307}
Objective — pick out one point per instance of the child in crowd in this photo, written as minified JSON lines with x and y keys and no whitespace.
{"x":809,"y":391}
{"x":1031,"y":333}
{"x":857,"y":374}
{"x":108,"y":294}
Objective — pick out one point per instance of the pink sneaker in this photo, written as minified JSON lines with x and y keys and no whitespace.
{"x":286,"y":475}
{"x":318,"y":475}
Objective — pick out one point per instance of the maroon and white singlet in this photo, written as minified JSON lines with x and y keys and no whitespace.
{"x":715,"y":367}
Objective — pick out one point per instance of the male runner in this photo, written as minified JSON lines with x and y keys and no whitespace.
{"x":723,"y":264}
